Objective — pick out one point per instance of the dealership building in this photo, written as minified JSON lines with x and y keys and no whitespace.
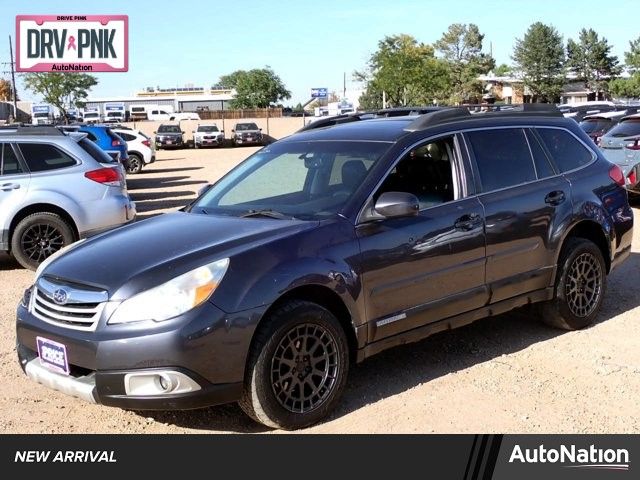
{"x":183,"y":99}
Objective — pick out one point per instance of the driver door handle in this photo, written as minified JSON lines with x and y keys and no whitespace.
{"x":555,"y":198}
{"x":468,"y":222}
{"x":9,"y":186}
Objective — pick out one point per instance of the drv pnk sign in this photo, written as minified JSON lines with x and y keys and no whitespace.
{"x":72,"y":43}
{"x":319,"y":92}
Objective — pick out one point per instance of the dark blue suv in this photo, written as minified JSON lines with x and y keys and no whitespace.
{"x":323,"y":249}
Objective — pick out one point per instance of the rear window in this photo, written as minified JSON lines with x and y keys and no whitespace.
{"x":595,"y":125}
{"x":96,"y":152}
{"x":564,"y":149}
{"x":41,"y":157}
{"x":126,"y":136}
{"x":626,"y":128}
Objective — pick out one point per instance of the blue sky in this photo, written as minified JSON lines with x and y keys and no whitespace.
{"x":308,"y":43}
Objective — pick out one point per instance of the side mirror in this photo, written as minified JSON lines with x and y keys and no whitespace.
{"x":193,"y":131}
{"x":260,"y":129}
{"x":233,"y":130}
{"x":221,"y":131}
{"x":154,"y":132}
{"x":182,"y":133}
{"x":397,"y":204}
{"x":204,"y":189}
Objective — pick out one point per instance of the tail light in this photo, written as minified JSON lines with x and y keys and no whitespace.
{"x":635,"y":145}
{"x":615,"y":173}
{"x":146,"y":143}
{"x":115,"y":142}
{"x":632,"y":178}
{"x":106,"y":176}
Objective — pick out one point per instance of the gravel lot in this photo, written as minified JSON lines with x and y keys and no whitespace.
{"x":508,"y":374}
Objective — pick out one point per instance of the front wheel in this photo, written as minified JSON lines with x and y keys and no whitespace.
{"x":297,"y":367}
{"x":580,"y":286}
{"x":39,"y":236}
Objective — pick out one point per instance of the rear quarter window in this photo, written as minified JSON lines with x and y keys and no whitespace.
{"x":566,"y":151}
{"x":41,"y":157}
{"x":96,"y":152}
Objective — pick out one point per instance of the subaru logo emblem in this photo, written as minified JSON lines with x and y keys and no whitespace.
{"x":60,"y":296}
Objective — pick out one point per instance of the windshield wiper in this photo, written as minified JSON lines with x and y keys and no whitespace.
{"x":267,"y":212}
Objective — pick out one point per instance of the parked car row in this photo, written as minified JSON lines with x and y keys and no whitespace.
{"x":209,"y":135}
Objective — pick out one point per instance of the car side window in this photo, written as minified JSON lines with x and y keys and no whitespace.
{"x":126,"y":136}
{"x":9,"y":164}
{"x":427,"y":171}
{"x":565,"y":150}
{"x":503,"y":157}
{"x":41,"y":157}
{"x":544,"y":169}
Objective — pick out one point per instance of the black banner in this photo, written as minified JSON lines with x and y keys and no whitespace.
{"x":464,"y":457}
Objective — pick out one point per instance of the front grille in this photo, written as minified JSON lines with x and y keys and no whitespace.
{"x":80,"y":311}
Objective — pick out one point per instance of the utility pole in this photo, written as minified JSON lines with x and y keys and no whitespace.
{"x":13,"y":83}
{"x":344,"y":85}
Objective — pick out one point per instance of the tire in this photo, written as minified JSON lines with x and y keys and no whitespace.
{"x":277,"y":343}
{"x":580,"y":286}
{"x":50,"y":228}
{"x":135,"y":164}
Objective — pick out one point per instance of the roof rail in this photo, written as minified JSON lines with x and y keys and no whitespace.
{"x":31,"y":130}
{"x":484,"y":111}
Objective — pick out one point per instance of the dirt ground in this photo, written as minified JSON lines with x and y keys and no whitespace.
{"x":508,"y":374}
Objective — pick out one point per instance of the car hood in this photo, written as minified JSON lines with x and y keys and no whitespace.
{"x":136,"y":257}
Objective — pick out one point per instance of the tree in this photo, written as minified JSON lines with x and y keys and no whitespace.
{"x":5,"y":90}
{"x":591,"y":60}
{"x":632,"y":57}
{"x":257,"y":88}
{"x":626,"y":87}
{"x":502,"y":70}
{"x":62,"y":90}
{"x":540,"y":58}
{"x":406,"y":71}
{"x":461,"y":47}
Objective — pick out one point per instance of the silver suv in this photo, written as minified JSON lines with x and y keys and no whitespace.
{"x":55,"y":189}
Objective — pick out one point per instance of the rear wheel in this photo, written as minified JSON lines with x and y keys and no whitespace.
{"x":135,"y":163}
{"x":297,"y":367}
{"x":39,"y":236}
{"x":580,"y":286}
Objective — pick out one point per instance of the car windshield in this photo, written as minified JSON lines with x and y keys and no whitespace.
{"x":40,"y":114}
{"x":626,"y":128}
{"x":246,"y":126}
{"x":169,"y":129}
{"x":305,"y":180}
{"x":91,"y":114}
{"x":595,"y":125}
{"x":208,"y":128}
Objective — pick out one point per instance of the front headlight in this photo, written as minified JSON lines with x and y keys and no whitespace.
{"x":174,"y":297}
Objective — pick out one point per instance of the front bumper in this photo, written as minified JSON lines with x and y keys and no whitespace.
{"x":245,"y":141}
{"x":209,"y":142}
{"x":206,"y":345}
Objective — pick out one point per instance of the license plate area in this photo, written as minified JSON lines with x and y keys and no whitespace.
{"x":53,"y":355}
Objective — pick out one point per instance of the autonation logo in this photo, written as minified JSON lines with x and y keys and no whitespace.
{"x":573,"y":457}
